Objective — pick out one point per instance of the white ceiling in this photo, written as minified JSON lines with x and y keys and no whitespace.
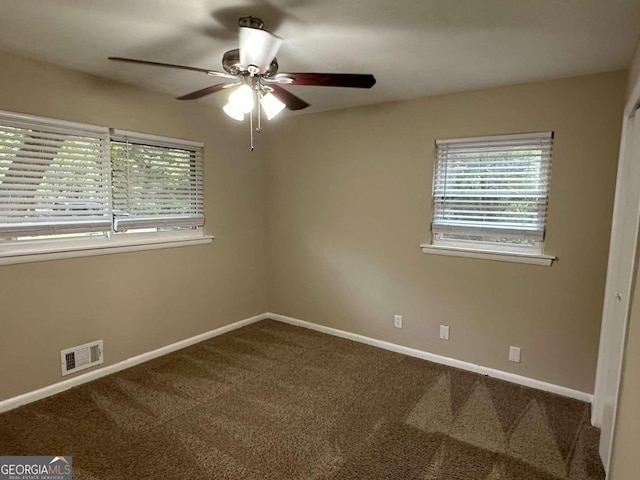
{"x":413,"y":47}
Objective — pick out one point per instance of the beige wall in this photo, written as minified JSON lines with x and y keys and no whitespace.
{"x":625,"y":462}
{"x":137,"y":301}
{"x":349,"y":205}
{"x":634,"y":71}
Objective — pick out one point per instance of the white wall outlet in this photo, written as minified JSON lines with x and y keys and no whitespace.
{"x":514,"y":354}
{"x":397,"y":321}
{"x":444,"y":332}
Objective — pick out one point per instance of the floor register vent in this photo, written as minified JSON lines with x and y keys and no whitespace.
{"x":81,"y":357}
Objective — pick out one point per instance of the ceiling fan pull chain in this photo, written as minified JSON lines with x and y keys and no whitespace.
{"x":251,"y":129}
{"x":259,"y":129}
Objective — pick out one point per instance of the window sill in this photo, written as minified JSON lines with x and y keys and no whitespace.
{"x":90,"y":248}
{"x":532,"y":259}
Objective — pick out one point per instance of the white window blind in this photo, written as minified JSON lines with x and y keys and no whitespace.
{"x":54,"y":177}
{"x":157,"y":182}
{"x":492,"y":189}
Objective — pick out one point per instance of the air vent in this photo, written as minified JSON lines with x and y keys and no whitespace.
{"x":81,"y":357}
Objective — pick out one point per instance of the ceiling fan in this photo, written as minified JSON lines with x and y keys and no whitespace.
{"x":251,"y":73}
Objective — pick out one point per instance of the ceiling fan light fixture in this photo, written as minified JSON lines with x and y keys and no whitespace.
{"x":242,"y":99}
{"x":231,"y":110}
{"x":271,"y":105}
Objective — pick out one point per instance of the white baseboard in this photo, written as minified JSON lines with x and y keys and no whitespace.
{"x":452,"y":362}
{"x":11,"y":403}
{"x":47,"y":391}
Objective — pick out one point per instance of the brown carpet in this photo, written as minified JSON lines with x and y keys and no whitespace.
{"x":273,"y":401}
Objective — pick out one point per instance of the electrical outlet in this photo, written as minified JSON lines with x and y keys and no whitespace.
{"x":397,"y":321}
{"x":514,"y":354}
{"x":444,"y":332}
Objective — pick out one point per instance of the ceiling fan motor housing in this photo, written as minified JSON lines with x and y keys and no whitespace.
{"x":231,"y":64}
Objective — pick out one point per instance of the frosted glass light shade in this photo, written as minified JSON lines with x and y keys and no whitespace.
{"x":242,"y":99}
{"x":271,"y":105}
{"x":258,"y":47}
{"x":231,"y":110}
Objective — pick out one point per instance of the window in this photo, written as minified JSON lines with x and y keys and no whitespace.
{"x":54,"y":178}
{"x":490,"y":193}
{"x":157,"y":183}
{"x":68,"y":186}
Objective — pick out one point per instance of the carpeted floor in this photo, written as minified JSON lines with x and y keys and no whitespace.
{"x":273,"y":401}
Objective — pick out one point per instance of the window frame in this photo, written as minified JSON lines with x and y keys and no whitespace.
{"x":483,"y":248}
{"x":43,"y":249}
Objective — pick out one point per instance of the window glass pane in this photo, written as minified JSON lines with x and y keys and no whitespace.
{"x":492,"y":191}
{"x":156,"y":187}
{"x":54,"y":179}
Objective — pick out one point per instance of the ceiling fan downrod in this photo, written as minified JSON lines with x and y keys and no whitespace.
{"x":251,"y":22}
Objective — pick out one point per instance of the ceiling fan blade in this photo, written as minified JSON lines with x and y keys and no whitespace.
{"x":289,"y":99}
{"x":352,"y":80}
{"x":258,"y":47}
{"x":170,"y":65}
{"x":205,"y":91}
